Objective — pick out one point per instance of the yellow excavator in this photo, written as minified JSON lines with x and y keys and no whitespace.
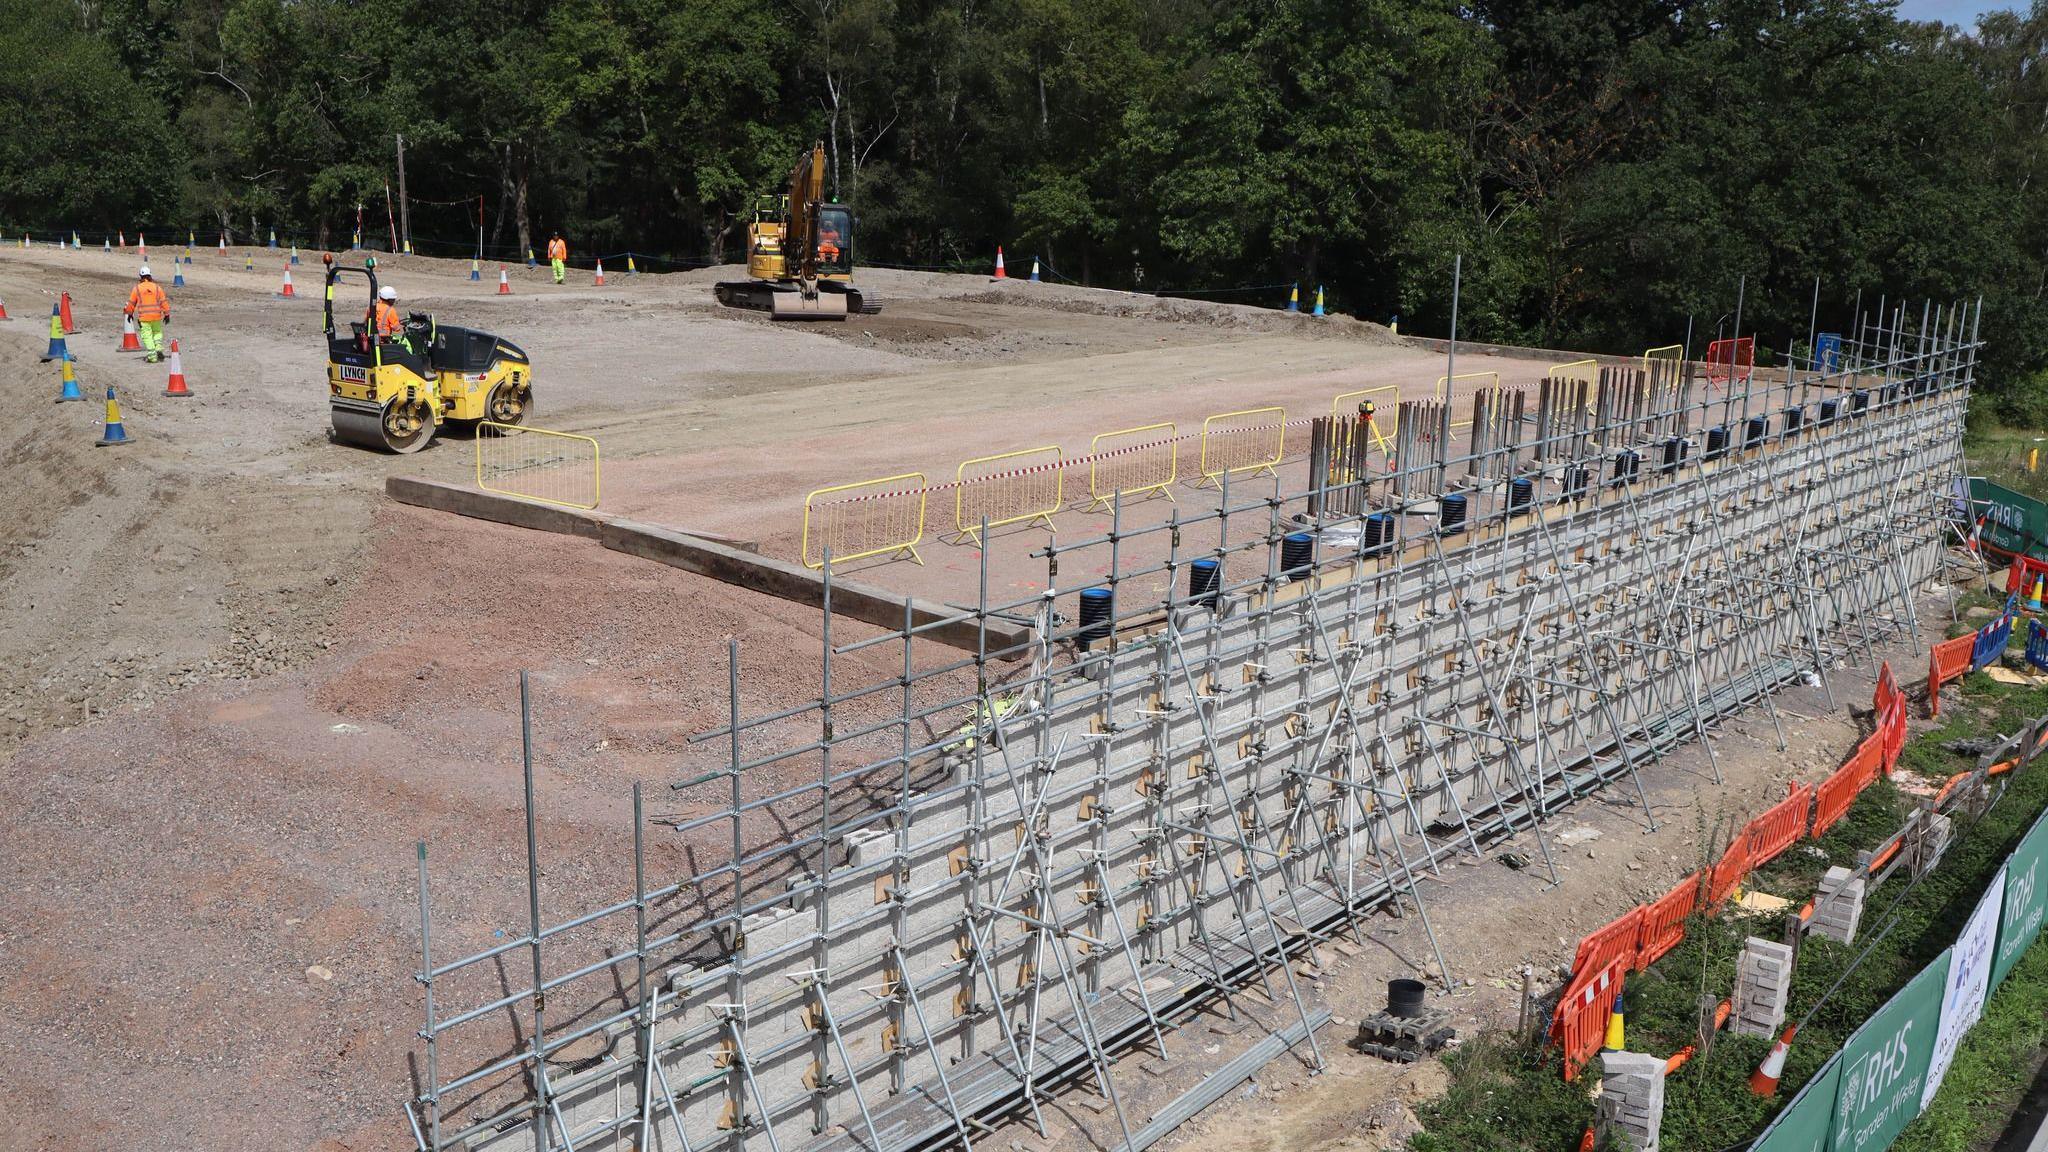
{"x":394,"y":396}
{"x":800,"y":253}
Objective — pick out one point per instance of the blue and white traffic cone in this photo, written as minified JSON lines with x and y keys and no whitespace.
{"x":1034,"y":269}
{"x":70,"y":390}
{"x":57,"y":349}
{"x":112,"y":433}
{"x":1319,"y":301}
{"x":475,"y":273}
{"x":177,"y":275}
{"x":1294,"y":298}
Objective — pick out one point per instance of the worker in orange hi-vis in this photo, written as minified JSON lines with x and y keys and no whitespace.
{"x":558,"y":256}
{"x":151,"y":307}
{"x":828,"y":242}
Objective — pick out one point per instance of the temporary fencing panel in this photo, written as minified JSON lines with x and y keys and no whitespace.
{"x":536,"y":464}
{"x":1580,"y":1025}
{"x":1249,"y":441}
{"x":1827,"y":352}
{"x":1834,"y":795}
{"x":868,"y":518}
{"x":1447,"y":387}
{"x":1663,"y":923}
{"x":2026,"y":899}
{"x":1731,"y":360}
{"x":1668,"y":354}
{"x":1587,"y":370}
{"x":1386,"y":417}
{"x":1729,"y":871}
{"x":2037,"y":644}
{"x":1947,"y":661}
{"x":1603,"y":946}
{"x":1008,"y":488}
{"x":1133,"y":461}
{"x":1779,"y":827}
{"x":1990,"y":640}
{"x":1884,"y":1063}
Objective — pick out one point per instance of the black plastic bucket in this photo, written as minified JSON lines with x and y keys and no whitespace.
{"x":1097,"y":606}
{"x":1205,"y":577}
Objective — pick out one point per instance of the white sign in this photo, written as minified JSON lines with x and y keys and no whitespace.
{"x":1969,"y":976}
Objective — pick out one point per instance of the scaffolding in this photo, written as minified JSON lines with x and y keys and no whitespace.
{"x":951,"y":893}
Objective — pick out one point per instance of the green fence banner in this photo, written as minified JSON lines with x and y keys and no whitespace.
{"x":1805,"y":1123}
{"x":2012,"y":522}
{"x":1885,"y":1062}
{"x":2026,"y":897}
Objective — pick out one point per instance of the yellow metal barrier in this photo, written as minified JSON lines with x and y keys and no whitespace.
{"x":1443,"y":394}
{"x":868,"y":518}
{"x":1385,"y":420}
{"x":536,"y":464}
{"x":1133,"y":461}
{"x":1673,"y":353}
{"x":1249,"y":441}
{"x":1030,"y":485}
{"x":1587,"y":370}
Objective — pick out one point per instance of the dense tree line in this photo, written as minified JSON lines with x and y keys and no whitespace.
{"x":1607,"y":168}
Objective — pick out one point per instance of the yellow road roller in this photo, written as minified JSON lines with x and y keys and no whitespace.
{"x":393,"y":391}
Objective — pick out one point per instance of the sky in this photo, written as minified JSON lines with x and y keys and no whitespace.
{"x":1963,"y":12}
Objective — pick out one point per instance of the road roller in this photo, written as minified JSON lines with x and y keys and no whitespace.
{"x":394,"y":394}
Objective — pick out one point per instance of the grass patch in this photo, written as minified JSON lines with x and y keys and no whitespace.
{"x":1505,"y":1097}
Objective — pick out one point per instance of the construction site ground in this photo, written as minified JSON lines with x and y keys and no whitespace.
{"x":238,"y":684}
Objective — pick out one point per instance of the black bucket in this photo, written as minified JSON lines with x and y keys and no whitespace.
{"x":1379,"y":532}
{"x":1674,"y":454}
{"x":1717,"y":442}
{"x":1521,"y":492}
{"x":1404,"y":998}
{"x":1759,"y":427}
{"x":1828,"y":408}
{"x":1794,"y":417}
{"x":1859,"y":401}
{"x":1097,"y":606}
{"x":1205,"y":577}
{"x":1297,"y":554}
{"x":1628,"y":464}
{"x":1577,"y":479}
{"x":1452,"y":519}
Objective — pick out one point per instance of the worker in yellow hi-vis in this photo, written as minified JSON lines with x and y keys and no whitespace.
{"x":558,"y":255}
{"x":151,"y":307}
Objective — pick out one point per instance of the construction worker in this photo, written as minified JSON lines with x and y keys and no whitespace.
{"x":386,"y":325}
{"x":558,"y":255}
{"x":151,"y":309}
{"x":828,"y":242}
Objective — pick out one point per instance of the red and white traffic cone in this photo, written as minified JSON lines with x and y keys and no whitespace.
{"x":285,"y":292}
{"x":504,"y":285}
{"x":64,"y":314}
{"x":1764,"y":1081}
{"x":3,"y":311}
{"x":129,"y":342}
{"x":223,"y":243}
{"x":176,"y":384}
{"x":600,"y":273}
{"x":1000,"y":274}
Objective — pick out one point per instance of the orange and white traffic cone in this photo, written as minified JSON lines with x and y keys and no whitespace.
{"x":504,"y":285}
{"x":600,"y":273}
{"x":285,"y":291}
{"x":1000,"y":274}
{"x":64,"y":313}
{"x":176,"y":384}
{"x":3,"y":311}
{"x":129,"y":342}
{"x":223,"y":243}
{"x":1764,"y":1081}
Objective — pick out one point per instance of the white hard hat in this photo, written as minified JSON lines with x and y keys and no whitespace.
{"x":387,"y":292}
{"x":144,"y":272}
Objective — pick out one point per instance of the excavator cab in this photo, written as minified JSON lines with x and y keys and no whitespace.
{"x":394,"y":395}
{"x":800,"y":253}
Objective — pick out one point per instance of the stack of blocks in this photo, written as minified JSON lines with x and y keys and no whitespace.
{"x":1631,"y":1100}
{"x":1931,"y":843}
{"x":1838,"y":906}
{"x":1763,"y":980}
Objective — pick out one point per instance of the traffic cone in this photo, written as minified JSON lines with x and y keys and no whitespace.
{"x":273,"y":237}
{"x":176,"y":384}
{"x":106,"y":245}
{"x":112,"y":433}
{"x":191,"y":238}
{"x":1394,"y":325}
{"x":1000,"y":274}
{"x":142,"y":247}
{"x":124,"y":240}
{"x":1617,"y":1029}
{"x":356,"y":245}
{"x":1034,"y":269}
{"x":223,"y":243}
{"x":177,"y":274}
{"x":1294,"y":298}
{"x":3,"y":311}
{"x":64,"y":310}
{"x":188,"y":253}
{"x":504,"y":285}
{"x":474,"y":272}
{"x":295,"y":251}
{"x":600,"y":273}
{"x":248,"y":262}
{"x":75,"y":245}
{"x":1764,"y":1081}
{"x":285,"y":291}
{"x":2034,"y":597}
{"x":630,"y":270}
{"x":57,"y":349}
{"x":70,"y":391}
{"x":128,"y":341}
{"x":408,"y":245}
{"x":530,"y":261}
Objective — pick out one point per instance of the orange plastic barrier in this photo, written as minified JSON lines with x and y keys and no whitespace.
{"x":1779,"y":827}
{"x":1840,"y":790}
{"x":1663,"y":923}
{"x":1887,"y":692}
{"x":1728,"y":872}
{"x":1603,"y":946}
{"x":1947,"y":661}
{"x":1580,"y":1025}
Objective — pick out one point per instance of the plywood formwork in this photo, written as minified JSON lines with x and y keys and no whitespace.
{"x":1097,"y":831}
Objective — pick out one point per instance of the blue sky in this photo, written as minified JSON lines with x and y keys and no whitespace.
{"x":1963,"y":12}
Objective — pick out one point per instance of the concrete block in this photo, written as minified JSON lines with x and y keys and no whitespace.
{"x":1631,"y":1106}
{"x":1763,"y":981}
{"x":1838,"y":906}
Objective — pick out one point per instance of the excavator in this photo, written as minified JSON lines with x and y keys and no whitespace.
{"x":396,"y":396}
{"x":800,"y":253}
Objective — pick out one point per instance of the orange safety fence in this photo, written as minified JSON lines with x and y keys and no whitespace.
{"x":1947,"y":661}
{"x":1663,"y":923}
{"x":1887,"y":692}
{"x":1603,"y":946}
{"x":1779,"y":827}
{"x":1728,"y":873}
{"x":1580,"y":1025}
{"x":1840,"y":790}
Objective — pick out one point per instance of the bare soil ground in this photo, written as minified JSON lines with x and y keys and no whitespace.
{"x":237,"y":685}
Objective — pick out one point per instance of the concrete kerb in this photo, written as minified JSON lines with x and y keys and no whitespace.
{"x":730,"y":561}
